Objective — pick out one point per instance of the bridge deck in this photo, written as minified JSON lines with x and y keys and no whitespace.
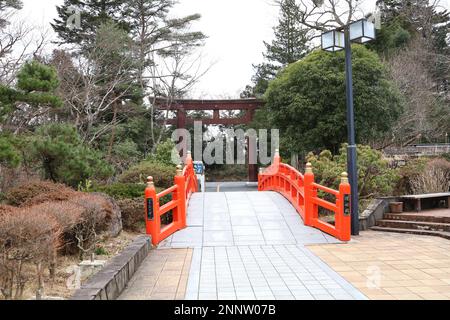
{"x":251,"y":245}
{"x":243,"y":218}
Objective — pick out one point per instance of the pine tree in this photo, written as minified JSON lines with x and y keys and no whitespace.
{"x":93,"y":13}
{"x":33,"y":98}
{"x":156,"y":34}
{"x":289,"y":45}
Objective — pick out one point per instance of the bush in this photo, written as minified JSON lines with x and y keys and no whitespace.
{"x":446,"y":156}
{"x":166,"y":154}
{"x":375,"y":177}
{"x":36,"y":192}
{"x":424,"y":175}
{"x":435,"y":178}
{"x":63,"y":157}
{"x":130,"y":199}
{"x":81,"y":219}
{"x":9,"y":156}
{"x":71,"y":209}
{"x":407,"y":173}
{"x":121,"y":190}
{"x":5,"y":209}
{"x":133,"y":214}
{"x":25,"y":238}
{"x":162,"y":174}
{"x":123,"y":155}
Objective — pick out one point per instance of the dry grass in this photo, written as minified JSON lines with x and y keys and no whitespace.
{"x":60,"y":286}
{"x":434,"y":178}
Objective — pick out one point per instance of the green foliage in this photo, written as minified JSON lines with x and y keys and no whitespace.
{"x":307,"y":101}
{"x":94,"y":13}
{"x":391,"y":37}
{"x":407,"y":173}
{"x":36,"y":86}
{"x":446,"y":156}
{"x":289,"y":45}
{"x":375,"y":178}
{"x":63,"y":157}
{"x":123,"y":155}
{"x":85,"y":186}
{"x":121,"y":190}
{"x":162,"y":174}
{"x":35,"y":76}
{"x":164,"y":153}
{"x":9,"y":155}
{"x":101,"y":251}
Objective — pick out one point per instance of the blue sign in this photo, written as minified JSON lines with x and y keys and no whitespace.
{"x":199,"y":167}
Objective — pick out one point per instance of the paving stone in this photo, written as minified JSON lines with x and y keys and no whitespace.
{"x":250,"y":245}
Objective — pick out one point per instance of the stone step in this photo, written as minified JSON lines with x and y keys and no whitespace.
{"x":442,"y":234}
{"x":416,"y":217}
{"x":415,"y":225}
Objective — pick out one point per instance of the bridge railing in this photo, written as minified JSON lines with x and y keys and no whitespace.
{"x":185,"y":184}
{"x":303,"y":193}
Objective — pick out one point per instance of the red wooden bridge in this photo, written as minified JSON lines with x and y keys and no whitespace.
{"x":299,"y":189}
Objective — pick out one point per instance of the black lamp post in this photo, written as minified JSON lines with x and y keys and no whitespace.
{"x":360,"y":31}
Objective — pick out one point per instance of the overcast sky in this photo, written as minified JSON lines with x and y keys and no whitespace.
{"x":236,"y":30}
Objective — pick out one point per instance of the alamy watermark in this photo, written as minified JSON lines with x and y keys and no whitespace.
{"x":74,"y":19}
{"x":228,"y":147}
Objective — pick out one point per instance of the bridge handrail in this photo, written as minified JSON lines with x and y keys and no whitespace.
{"x":185,"y":183}
{"x":301,"y":190}
{"x":325,"y":189}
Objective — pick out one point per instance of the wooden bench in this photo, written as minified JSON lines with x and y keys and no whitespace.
{"x":418,"y":199}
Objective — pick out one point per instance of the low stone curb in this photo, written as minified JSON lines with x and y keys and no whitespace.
{"x":109,"y":283}
{"x":374,"y":212}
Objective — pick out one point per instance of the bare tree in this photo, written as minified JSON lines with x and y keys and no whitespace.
{"x":323,"y":15}
{"x":172,"y":78}
{"x":98,"y":82}
{"x":167,"y":64}
{"x":19,"y":41}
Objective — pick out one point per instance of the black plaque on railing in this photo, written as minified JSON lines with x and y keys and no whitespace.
{"x":150,"y":213}
{"x":347,"y":211}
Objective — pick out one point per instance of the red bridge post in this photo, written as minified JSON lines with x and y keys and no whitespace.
{"x":309,"y":194}
{"x":152,"y":219}
{"x":343,"y":218}
{"x":180,"y":196}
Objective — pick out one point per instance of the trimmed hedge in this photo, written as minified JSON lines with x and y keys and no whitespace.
{"x":35,"y":192}
{"x":162,"y":174}
{"x":121,"y":190}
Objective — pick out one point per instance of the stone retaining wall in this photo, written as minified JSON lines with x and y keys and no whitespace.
{"x":374,"y":212}
{"x":109,"y":283}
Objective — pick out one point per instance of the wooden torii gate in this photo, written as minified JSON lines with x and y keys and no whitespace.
{"x":182,"y":107}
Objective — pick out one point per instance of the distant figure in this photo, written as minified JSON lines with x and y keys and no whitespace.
{"x":199,"y":168}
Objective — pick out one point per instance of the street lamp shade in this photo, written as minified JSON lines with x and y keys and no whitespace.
{"x":333,"y":41}
{"x":362,"y":31}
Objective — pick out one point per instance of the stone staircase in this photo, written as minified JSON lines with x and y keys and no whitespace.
{"x":415,"y":224}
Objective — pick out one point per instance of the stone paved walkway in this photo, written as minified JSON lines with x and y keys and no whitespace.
{"x":391,"y":266}
{"x":162,"y":276}
{"x":250,"y":245}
